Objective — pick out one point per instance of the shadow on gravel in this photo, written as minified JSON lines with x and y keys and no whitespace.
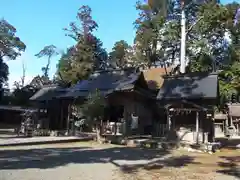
{"x":120,"y":156}
{"x":229,"y":143}
{"x":159,"y":164}
{"x":231,"y":166}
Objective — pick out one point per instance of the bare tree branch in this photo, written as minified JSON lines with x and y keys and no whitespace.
{"x":23,"y":74}
{"x":192,"y":26}
{"x":48,"y":51}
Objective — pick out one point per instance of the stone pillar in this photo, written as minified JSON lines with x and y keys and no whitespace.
{"x":226,"y":122}
{"x":231,"y":121}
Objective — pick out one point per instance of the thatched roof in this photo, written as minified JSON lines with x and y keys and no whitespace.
{"x":154,"y":77}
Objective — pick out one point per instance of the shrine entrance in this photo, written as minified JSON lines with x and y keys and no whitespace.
{"x":190,"y":122}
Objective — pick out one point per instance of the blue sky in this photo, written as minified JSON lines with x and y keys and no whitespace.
{"x":40,"y":23}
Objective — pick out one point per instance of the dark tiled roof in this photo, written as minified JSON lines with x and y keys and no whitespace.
{"x":191,"y":86}
{"x":128,"y":82}
{"x":105,"y":82}
{"x":75,"y":94}
{"x":47,"y":93}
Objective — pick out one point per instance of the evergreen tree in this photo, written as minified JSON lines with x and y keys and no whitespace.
{"x":88,"y":54}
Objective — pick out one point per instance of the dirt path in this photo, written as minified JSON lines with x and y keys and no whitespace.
{"x":90,"y":161}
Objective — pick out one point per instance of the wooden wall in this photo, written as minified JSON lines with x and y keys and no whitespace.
{"x":10,"y":117}
{"x":133,"y":102}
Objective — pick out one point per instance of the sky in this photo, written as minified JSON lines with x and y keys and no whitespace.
{"x":40,"y":23}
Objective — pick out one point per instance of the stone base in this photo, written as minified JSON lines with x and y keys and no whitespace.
{"x":207,"y":147}
{"x":59,"y":133}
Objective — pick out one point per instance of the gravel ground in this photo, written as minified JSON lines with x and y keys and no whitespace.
{"x":89,"y":161}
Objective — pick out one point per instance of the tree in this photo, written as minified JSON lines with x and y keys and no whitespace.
{"x":94,"y":109}
{"x":10,"y":47}
{"x":216,"y":53}
{"x":208,"y":22}
{"x":20,"y":84}
{"x":158,"y":29}
{"x":229,"y":76}
{"x":48,"y":51}
{"x":149,"y":25}
{"x":64,"y":67}
{"x":88,"y":54}
{"x":122,"y":55}
{"x":206,"y":28}
{"x":20,"y":96}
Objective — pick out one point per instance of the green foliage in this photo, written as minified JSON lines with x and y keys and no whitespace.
{"x":88,"y":54}
{"x":122,"y":55}
{"x":49,"y":52}
{"x":215,"y":53}
{"x":94,"y":107}
{"x":158,"y":37}
{"x":3,"y":72}
{"x":20,"y":96}
{"x":10,"y":47}
{"x":64,"y":67}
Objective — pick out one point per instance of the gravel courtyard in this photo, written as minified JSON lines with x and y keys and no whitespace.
{"x":90,"y":161}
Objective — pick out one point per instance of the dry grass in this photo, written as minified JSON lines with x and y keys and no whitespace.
{"x":221,"y":165}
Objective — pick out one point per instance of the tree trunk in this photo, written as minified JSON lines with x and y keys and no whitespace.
{"x":98,"y":132}
{"x":47,"y":67}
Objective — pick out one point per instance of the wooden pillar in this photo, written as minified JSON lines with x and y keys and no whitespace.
{"x":202,"y":124}
{"x":197,"y":126}
{"x":125,"y":121}
{"x":213,"y":129}
{"x":168,"y":121}
{"x":60,"y":126}
{"x":68,"y":117}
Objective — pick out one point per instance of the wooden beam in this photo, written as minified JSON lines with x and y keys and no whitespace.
{"x":185,"y":109}
{"x":219,"y":123}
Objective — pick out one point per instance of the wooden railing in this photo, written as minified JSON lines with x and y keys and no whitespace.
{"x":160,"y":130}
